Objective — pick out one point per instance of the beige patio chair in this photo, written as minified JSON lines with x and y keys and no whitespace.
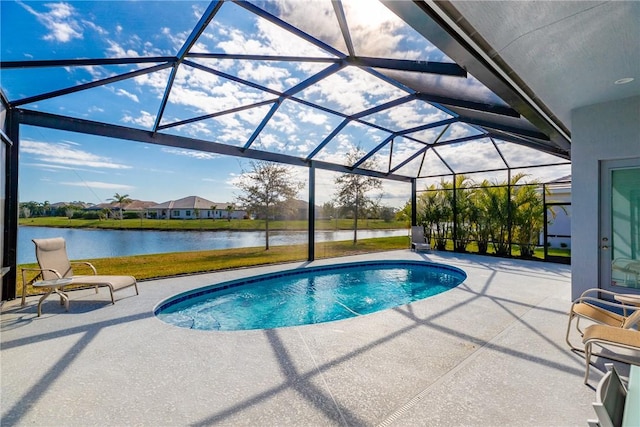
{"x":613,"y":337}
{"x":591,"y":307}
{"x":418,"y":242}
{"x":54,"y":264}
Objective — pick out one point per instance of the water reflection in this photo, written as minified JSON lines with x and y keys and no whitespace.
{"x":87,"y":244}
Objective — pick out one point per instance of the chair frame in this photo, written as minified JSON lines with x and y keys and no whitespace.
{"x":78,"y":280}
{"x":596,"y":303}
{"x":588,"y":350}
{"x":417,"y":245}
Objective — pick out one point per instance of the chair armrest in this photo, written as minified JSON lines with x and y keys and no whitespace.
{"x":598,"y":290}
{"x":600,"y":302}
{"x":88,"y":264}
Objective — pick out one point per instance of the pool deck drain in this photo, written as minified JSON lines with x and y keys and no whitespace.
{"x":489,"y":352}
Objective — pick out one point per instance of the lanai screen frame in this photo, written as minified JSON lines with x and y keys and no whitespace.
{"x":426,"y":19}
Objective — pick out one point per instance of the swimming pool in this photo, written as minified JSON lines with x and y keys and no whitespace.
{"x":308,"y":295}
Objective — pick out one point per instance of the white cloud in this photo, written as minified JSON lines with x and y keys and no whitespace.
{"x":118,"y":51}
{"x":65,"y":154}
{"x":99,"y":185}
{"x":201,"y":155}
{"x":145,"y":119}
{"x":59,"y":20}
{"x":98,"y":29}
{"x":56,"y":168}
{"x":131,"y":96}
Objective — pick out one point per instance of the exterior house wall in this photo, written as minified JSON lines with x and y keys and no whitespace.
{"x":560,"y":224}
{"x":203,"y":214}
{"x":604,"y":131}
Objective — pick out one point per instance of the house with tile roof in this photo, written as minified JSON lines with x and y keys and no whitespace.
{"x":136,"y":206}
{"x":195,"y":207}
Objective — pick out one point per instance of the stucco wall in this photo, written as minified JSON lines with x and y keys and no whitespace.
{"x":604,"y":131}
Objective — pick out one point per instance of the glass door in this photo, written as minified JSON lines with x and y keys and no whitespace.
{"x":620,"y":225}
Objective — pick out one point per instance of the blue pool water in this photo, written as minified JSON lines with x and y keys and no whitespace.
{"x":308,"y":295}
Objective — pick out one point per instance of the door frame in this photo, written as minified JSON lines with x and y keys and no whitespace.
{"x":605,"y":232}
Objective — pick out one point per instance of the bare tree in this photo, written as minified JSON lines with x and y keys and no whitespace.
{"x":267,"y":188}
{"x":352,"y":189}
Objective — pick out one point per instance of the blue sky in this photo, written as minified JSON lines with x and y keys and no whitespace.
{"x":62,"y":166}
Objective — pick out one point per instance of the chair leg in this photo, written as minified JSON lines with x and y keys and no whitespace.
{"x":587,"y":351}
{"x":571,"y":316}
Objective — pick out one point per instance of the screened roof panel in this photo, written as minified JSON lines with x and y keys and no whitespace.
{"x":350,"y":91}
{"x":499,"y":120}
{"x":519,"y":155}
{"x":237,"y":30}
{"x":295,"y":129}
{"x":412,"y":167}
{"x":430,"y":135}
{"x":324,"y":25}
{"x":466,"y":89}
{"x":305,"y":79}
{"x":276,"y":75}
{"x":20,"y":84}
{"x":458,"y":130}
{"x":124,"y":102}
{"x":407,"y":115}
{"x":353,"y":136}
{"x":433,"y":165}
{"x":196,"y":93}
{"x":378,"y":32}
{"x":380,"y":160}
{"x":96,"y":29}
{"x":231,"y":129}
{"x":403,"y":149}
{"x":471,"y":156}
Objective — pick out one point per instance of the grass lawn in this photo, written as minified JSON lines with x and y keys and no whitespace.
{"x":209,"y":224}
{"x":179,"y":263}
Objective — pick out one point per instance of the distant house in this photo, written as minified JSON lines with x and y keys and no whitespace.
{"x":137,"y":206}
{"x":194,"y":207}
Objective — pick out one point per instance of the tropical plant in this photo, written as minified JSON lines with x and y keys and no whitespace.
{"x":479,"y":219}
{"x":353,"y":189}
{"x":528,"y":217}
{"x":459,"y":196}
{"x":267,"y":188}
{"x":121,"y":200}
{"x":104,"y":214}
{"x":230,"y":209}
{"x":213,"y":211}
{"x":435,"y":214}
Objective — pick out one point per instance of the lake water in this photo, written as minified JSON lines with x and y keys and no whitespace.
{"x":88,"y":244}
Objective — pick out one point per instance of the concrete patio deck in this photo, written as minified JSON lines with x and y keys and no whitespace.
{"x":489,"y":352}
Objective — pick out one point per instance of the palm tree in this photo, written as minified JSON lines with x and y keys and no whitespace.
{"x":213,"y":211}
{"x":435,"y":214}
{"x":528,"y":217}
{"x":122,"y":200}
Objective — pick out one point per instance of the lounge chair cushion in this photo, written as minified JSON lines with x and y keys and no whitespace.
{"x":598,"y":314}
{"x":51,"y":254}
{"x":115,"y":282}
{"x":617,"y":336}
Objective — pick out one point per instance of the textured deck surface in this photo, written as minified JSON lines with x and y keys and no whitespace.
{"x":490,"y":352}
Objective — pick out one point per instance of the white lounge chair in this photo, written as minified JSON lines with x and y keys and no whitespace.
{"x":54,"y":264}
{"x":418,"y":241}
